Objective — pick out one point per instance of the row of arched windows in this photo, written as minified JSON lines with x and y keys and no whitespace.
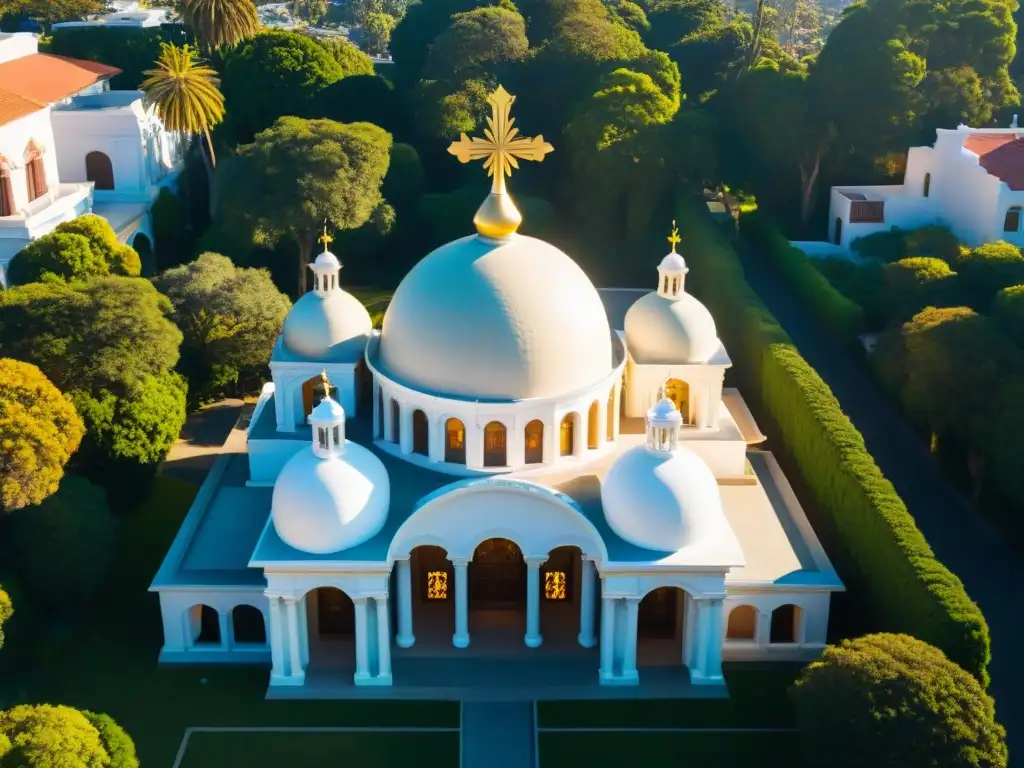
{"x":98,"y":169}
{"x":247,"y":625}
{"x":496,"y":434}
{"x":785,"y":624}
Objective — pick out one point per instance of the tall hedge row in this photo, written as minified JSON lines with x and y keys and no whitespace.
{"x":843,"y":317}
{"x":880,"y":551}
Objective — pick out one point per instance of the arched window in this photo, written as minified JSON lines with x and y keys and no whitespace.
{"x":678,"y":391}
{"x":396,"y":422}
{"x":839,"y":231}
{"x":535,"y":442}
{"x":35,"y":171}
{"x":742,"y":623}
{"x":99,"y":170}
{"x":205,"y":625}
{"x":7,"y":207}
{"x":454,"y":442}
{"x":420,"y":433}
{"x":927,"y":184}
{"x":321,"y":437}
{"x":610,"y":425}
{"x":593,"y":435}
{"x":248,"y":625}
{"x":567,"y":435}
{"x":785,"y":624}
{"x":1012,"y":221}
{"x":495,"y":454}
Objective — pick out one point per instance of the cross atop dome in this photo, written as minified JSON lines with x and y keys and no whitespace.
{"x":326,"y":382}
{"x":674,"y":238}
{"x":501,"y":149}
{"x":672,"y":270}
{"x":325,"y":269}
{"x":325,"y":238}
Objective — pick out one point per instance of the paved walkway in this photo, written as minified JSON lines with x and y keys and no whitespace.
{"x":961,"y":538}
{"x":201,"y":440}
{"x":498,"y":735}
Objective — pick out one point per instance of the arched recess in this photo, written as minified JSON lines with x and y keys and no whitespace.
{"x":454,"y":441}
{"x":661,"y":627}
{"x":248,"y":625}
{"x":785,"y":626}
{"x":497,"y":575}
{"x":593,"y":435}
{"x":742,"y":624}
{"x":678,"y":391}
{"x":1011,"y":222}
{"x":420,"y":433}
{"x":610,"y":426}
{"x":380,"y":413}
{"x":433,"y":594}
{"x":534,"y":435}
{"x":7,"y":205}
{"x":495,"y":445}
{"x":567,"y":435}
{"x":839,"y":231}
{"x":396,"y":422}
{"x":204,"y":625}
{"x":335,"y":613}
{"x":99,"y":170}
{"x":35,"y":171}
{"x":312,"y":394}
{"x":142,"y":245}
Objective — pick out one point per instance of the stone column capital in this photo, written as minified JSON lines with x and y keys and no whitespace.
{"x":460,"y":561}
{"x":536,"y":562}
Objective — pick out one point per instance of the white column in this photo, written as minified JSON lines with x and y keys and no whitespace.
{"x":618,"y":408}
{"x":709,"y":661}
{"x":587,"y":580}
{"x":405,"y":638}
{"x":461,"y":637}
{"x":763,"y":629}
{"x":362,"y":642}
{"x":405,"y":433}
{"x":377,"y":415}
{"x":629,"y":672}
{"x":474,"y":444}
{"x":602,"y":422}
{"x":580,"y":435}
{"x":276,"y":638}
{"x":386,"y":416}
{"x":552,"y":440}
{"x":304,"y":631}
{"x":295,"y":668}
{"x":383,"y":640}
{"x":224,"y":622}
{"x":533,"y":637}
{"x":435,"y":439}
{"x":608,"y":605}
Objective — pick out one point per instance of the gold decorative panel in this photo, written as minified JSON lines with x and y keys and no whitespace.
{"x":437,"y":585}
{"x":554,"y":585}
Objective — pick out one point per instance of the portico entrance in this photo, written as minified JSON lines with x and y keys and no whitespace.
{"x":497,"y":576}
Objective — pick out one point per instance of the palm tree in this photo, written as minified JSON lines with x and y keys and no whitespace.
{"x":184,"y":92}
{"x":219,"y":23}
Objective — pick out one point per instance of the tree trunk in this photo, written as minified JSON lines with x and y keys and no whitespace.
{"x":209,"y":163}
{"x":808,"y":186}
{"x":755,"y":41}
{"x":305,"y":243}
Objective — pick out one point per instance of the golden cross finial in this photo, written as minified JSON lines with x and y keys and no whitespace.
{"x":674,"y":238}
{"x":501,"y":150}
{"x":326,"y":240}
{"x":326,"y":382}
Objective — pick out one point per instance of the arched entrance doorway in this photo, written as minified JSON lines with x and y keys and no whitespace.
{"x":420,"y":433}
{"x":535,"y":442}
{"x":497,"y":575}
{"x":330,"y":628}
{"x":144,"y":248}
{"x":567,"y":435}
{"x":661,"y":627}
{"x":433,"y":595}
{"x":99,"y":170}
{"x":678,"y":391}
{"x":454,"y":442}
{"x":593,"y":435}
{"x":495,"y":445}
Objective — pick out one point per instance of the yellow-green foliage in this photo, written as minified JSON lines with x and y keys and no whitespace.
{"x":881,"y":552}
{"x":843,"y":317}
{"x":39,"y":430}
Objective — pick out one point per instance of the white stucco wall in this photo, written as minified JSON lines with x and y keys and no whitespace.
{"x":18,"y":44}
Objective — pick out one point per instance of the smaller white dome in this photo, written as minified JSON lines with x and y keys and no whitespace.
{"x":326,"y":261}
{"x":664,"y":414}
{"x":663,"y":500}
{"x":332,"y":328}
{"x":328,"y":504}
{"x":327,"y":410}
{"x":673,"y":262}
{"x":666,"y":331}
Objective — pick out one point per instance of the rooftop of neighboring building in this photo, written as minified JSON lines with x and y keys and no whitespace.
{"x":44,"y":79}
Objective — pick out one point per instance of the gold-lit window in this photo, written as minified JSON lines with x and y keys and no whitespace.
{"x":437,"y":585}
{"x":554,"y":585}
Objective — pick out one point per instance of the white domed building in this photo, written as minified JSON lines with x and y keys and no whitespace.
{"x":517,"y":464}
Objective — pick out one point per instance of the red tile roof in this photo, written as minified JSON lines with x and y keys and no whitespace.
{"x":1001,"y":155}
{"x":46,"y":79}
{"x":13,"y":107}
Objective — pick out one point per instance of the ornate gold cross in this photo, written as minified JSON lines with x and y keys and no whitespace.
{"x":674,"y":238}
{"x":503,"y":147}
{"x":326,"y":240}
{"x":326,"y":382}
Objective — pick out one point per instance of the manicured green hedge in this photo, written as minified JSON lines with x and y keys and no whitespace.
{"x":843,"y":317}
{"x":880,"y":551}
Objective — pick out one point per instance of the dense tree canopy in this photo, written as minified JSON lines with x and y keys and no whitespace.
{"x":1008,"y":310}
{"x":40,"y":430}
{"x":219,"y":23}
{"x":894,"y":700}
{"x":45,"y":736}
{"x":230,"y":317}
{"x":299,"y":174}
{"x":83,"y":247}
{"x":476,"y":43}
{"x":351,"y":60}
{"x":989,"y":268}
{"x":132,"y":51}
{"x":6,"y":611}
{"x":917,"y":282}
{"x":115,"y":740}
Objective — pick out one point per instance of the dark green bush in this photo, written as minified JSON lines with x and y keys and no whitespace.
{"x":1008,"y":310}
{"x":916,"y":282}
{"x":987,"y":269}
{"x":115,"y":739}
{"x":936,"y":242}
{"x":880,"y":551}
{"x":133,"y":51}
{"x":839,"y":314}
{"x":863,"y":283}
{"x":882,"y":246}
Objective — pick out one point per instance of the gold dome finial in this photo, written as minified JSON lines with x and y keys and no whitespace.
{"x":326,"y":382}
{"x":674,"y":238}
{"x":326,"y":240}
{"x":501,"y":149}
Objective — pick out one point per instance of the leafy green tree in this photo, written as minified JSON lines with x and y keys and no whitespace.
{"x":674,"y":20}
{"x":299,"y":173}
{"x":894,"y":700}
{"x":914,"y":283}
{"x":106,"y":333}
{"x":132,"y":53}
{"x":230,"y":317}
{"x":351,"y":60}
{"x":309,"y":10}
{"x":291,"y":70}
{"x":476,"y":42}
{"x":989,"y":268}
{"x":46,"y":736}
{"x":61,"y":550}
{"x":184,"y":93}
{"x":220,"y":23}
{"x":444,"y":110}
{"x":631,"y":16}
{"x":365,"y":99}
{"x":1008,"y":311}
{"x":115,"y":740}
{"x":49,"y":12}
{"x":58,"y":256}
{"x":6,"y":611}
{"x":121,"y":259}
{"x":41,"y":430}
{"x":377,"y":29}
{"x":404,"y":181}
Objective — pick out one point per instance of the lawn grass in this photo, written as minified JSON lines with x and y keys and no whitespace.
{"x":375,"y":301}
{"x":322,"y":750}
{"x":107,"y":661}
{"x":701,"y":750}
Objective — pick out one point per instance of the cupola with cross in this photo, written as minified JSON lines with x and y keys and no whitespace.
{"x":325,"y":269}
{"x":672,"y":270}
{"x":328,"y":422}
{"x":663,"y":423}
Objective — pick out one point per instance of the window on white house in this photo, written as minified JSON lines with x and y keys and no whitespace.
{"x":927,"y":184}
{"x":1012,"y":221}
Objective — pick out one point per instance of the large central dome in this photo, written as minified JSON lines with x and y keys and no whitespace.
{"x":496,"y":319}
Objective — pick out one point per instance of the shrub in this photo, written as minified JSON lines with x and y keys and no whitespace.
{"x":882,"y":246}
{"x":168,"y":214}
{"x":880,"y":550}
{"x":894,"y":700}
{"x":58,"y":256}
{"x":862,"y":283}
{"x":351,"y":60}
{"x":936,"y":242}
{"x":916,"y":282}
{"x":841,"y":316}
{"x":131,"y":50}
{"x":120,"y":259}
{"x":39,"y":430}
{"x":40,"y":736}
{"x":6,"y":611}
{"x":1008,"y":310}
{"x":118,"y":744}
{"x":989,"y":268}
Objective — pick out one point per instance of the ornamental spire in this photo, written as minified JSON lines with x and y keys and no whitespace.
{"x":326,"y":382}
{"x":674,"y":238}
{"x":501,"y":150}
{"x":325,"y":238}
